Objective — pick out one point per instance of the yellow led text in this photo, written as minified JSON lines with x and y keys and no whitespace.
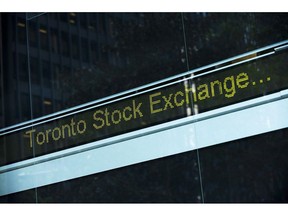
{"x":57,"y":133}
{"x":105,"y":117}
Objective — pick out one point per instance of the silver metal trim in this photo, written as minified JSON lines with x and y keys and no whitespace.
{"x":146,"y":131}
{"x":281,"y":48}
{"x":139,"y":90}
{"x":180,"y":137}
{"x":234,"y":64}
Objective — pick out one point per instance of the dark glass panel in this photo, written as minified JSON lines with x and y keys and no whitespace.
{"x":249,"y":170}
{"x":213,"y":37}
{"x":54,"y":40}
{"x":15,"y":147}
{"x":21,"y":30}
{"x":28,"y":196}
{"x":43,"y":34}
{"x":172,"y":179}
{"x":132,"y":49}
{"x":14,"y":68}
{"x":35,"y":71}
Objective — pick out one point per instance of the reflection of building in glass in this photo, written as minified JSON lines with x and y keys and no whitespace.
{"x":59,"y":45}
{"x":79,"y":57}
{"x":54,"y":61}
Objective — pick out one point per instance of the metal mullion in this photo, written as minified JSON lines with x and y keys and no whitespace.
{"x":50,"y":62}
{"x":80,"y":48}
{"x":40,"y":68}
{"x":17,"y":89}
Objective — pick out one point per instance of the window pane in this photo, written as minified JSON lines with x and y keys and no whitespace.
{"x":211,"y":36}
{"x":169,"y":180}
{"x":70,"y":59}
{"x":250,"y":170}
{"x":14,"y":69}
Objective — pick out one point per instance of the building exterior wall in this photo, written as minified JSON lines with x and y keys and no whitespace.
{"x":52,"y":62}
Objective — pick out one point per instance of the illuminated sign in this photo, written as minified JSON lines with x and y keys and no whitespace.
{"x":169,"y":101}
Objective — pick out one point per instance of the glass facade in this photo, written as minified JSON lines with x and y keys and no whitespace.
{"x":52,"y":62}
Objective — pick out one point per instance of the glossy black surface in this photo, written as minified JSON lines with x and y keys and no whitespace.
{"x":250,"y":170}
{"x":54,"y":61}
{"x":212,"y":37}
{"x":169,"y":180}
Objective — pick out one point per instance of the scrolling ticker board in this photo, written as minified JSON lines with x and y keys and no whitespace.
{"x":190,"y":96}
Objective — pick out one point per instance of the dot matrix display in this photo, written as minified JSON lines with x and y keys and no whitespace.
{"x":186,"y":97}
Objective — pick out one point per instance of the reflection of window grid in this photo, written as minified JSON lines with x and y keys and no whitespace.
{"x":44,"y":43}
{"x":25,"y":106}
{"x":54,"y":41}
{"x":75,"y":47}
{"x":65,"y":48}
{"x":34,"y":69}
{"x":85,"y":50}
{"x":50,"y":34}
{"x":21,"y":30}
{"x":33,"y":34}
{"x":46,"y":73}
{"x":23,"y":67}
{"x":37,"y":106}
{"x":73,"y":19}
{"x":47,"y":105}
{"x":46,"y":69}
{"x":56,"y":71}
